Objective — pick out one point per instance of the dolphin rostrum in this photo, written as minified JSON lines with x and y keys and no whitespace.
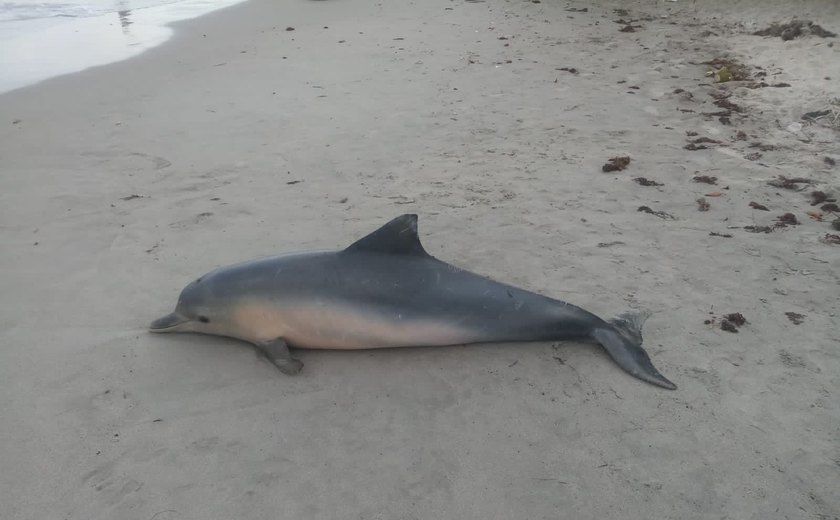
{"x":385,"y":290}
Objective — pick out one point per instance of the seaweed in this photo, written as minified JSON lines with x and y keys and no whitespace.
{"x":616,"y":164}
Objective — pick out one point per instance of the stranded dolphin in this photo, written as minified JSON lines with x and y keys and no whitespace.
{"x":385,"y":290}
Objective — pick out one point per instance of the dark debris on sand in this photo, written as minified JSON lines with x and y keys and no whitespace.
{"x":730,"y":322}
{"x":763,"y":146}
{"x":660,"y":214}
{"x":728,"y":326}
{"x":733,"y":322}
{"x":728,"y":105}
{"x":646,"y":182}
{"x":818,"y":197}
{"x":795,"y":29}
{"x":762,"y":84}
{"x":736,"y":318}
{"x":700,"y":143}
{"x":738,"y":71}
{"x":616,"y":164}
{"x":789,"y":183}
{"x":816,"y":114}
{"x":758,"y":229}
{"x":795,"y":317}
{"x":704,"y":140}
{"x":705,"y":179}
{"x":630,"y":28}
{"x":788,"y":219}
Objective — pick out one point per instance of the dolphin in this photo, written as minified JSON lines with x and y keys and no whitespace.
{"x":382,"y":291}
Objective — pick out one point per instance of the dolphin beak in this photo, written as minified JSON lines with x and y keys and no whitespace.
{"x":168,"y":323}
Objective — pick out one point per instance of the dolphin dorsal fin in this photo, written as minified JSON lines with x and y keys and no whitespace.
{"x":397,"y":237}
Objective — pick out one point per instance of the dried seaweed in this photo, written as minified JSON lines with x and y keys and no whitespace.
{"x":660,"y":214}
{"x":616,"y":164}
{"x":795,"y":29}
{"x":705,"y":178}
{"x":795,"y":317}
{"x":789,"y":183}
{"x":787,"y":219}
{"x":646,"y":182}
{"x":758,"y":229}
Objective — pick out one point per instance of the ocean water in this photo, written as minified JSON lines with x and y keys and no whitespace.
{"x":40,"y":40}
{"x":32,"y":10}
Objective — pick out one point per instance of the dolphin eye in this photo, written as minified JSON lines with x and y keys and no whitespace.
{"x":204,"y":319}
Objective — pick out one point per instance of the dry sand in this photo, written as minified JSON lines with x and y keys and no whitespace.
{"x":456,"y":111}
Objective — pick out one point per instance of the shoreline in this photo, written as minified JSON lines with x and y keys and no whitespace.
{"x":39,"y":49}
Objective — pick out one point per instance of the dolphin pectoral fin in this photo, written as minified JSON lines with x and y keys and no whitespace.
{"x":630,"y":356}
{"x":277,"y":352}
{"x":289,"y":367}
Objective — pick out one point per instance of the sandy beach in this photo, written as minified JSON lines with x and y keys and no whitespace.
{"x":277,"y":126}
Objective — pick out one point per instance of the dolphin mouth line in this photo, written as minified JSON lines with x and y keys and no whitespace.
{"x":167,"y":323}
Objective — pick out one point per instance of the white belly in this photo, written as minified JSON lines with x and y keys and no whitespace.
{"x":330,"y":326}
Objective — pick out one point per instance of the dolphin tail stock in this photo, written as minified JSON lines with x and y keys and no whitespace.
{"x":622,"y":339}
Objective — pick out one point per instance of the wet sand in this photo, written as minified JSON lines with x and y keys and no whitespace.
{"x":240,"y":138}
{"x":44,"y":40}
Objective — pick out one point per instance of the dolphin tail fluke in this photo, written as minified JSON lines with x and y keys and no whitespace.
{"x":623,"y":342}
